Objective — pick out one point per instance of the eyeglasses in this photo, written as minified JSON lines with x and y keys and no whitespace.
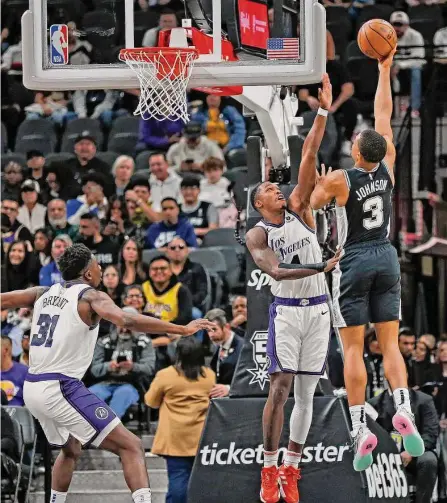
{"x":159,"y":269}
{"x":134,"y":296}
{"x":8,"y":208}
{"x":177,"y":247}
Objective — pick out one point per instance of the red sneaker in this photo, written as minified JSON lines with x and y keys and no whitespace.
{"x":288,"y":483}
{"x":269,"y":485}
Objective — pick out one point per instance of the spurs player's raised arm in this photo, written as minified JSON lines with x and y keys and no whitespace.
{"x":21,"y":298}
{"x":383,"y":110}
{"x":329,"y":186}
{"x":104,"y":307}
{"x":267,"y":261}
{"x":299,"y":200}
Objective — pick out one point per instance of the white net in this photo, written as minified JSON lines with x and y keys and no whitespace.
{"x":164,"y":75}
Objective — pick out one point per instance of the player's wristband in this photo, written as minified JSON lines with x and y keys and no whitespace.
{"x":323,"y":112}
{"x":320,"y":267}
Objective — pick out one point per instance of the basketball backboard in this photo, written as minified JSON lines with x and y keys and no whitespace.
{"x":283,"y":45}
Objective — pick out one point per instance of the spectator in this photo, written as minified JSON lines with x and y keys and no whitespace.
{"x":223,"y":124}
{"x":181,"y":392}
{"x":50,"y":274}
{"x":407,"y":342}
{"x":167,"y":21}
{"x":124,"y":363}
{"x":409,"y":60}
{"x":191,"y":274}
{"x":12,"y":59}
{"x":430,"y":341}
{"x":79,"y":51}
{"x":374,"y":365}
{"x":214,"y":188}
{"x":42,"y":246}
{"x":21,"y":267}
{"x":423,"y":468}
{"x":105,"y":250}
{"x":192,"y":150}
{"x":227,"y":354}
{"x":96,"y":104}
{"x":112,"y":285}
{"x":344,"y":107}
{"x":23,"y":358}
{"x":441,"y":377}
{"x":117,"y":223}
{"x":12,"y":181}
{"x":31,"y":213}
{"x":122,"y":170}
{"x":239,"y":313}
{"x":57,"y":219}
{"x":163,"y":181}
{"x":440,"y":43}
{"x":52,"y":104}
{"x":93,"y":201}
{"x":13,"y":374}
{"x":201,"y":215}
{"x":130,"y":263}
{"x":86,"y":160}
{"x":424,"y":371}
{"x":36,"y":163}
{"x":166,"y":298}
{"x":160,"y":234}
{"x":133,"y":296}
{"x":158,"y":135}
{"x":139,"y":192}
{"x":60,"y":181}
{"x":12,"y":229}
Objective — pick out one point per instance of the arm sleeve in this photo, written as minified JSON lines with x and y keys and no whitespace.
{"x":430,"y":424}
{"x":78,"y":102}
{"x":190,"y":237}
{"x":184,"y":300}
{"x":148,"y":136}
{"x":146,"y":364}
{"x":99,"y":367}
{"x":154,"y":397}
{"x":215,"y":150}
{"x":173,"y":156}
{"x":150,"y":238}
{"x":212,"y":215}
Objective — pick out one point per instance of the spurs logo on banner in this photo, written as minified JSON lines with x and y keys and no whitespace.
{"x":259,"y":373}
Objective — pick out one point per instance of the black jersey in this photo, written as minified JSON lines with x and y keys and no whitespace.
{"x":366,"y":215}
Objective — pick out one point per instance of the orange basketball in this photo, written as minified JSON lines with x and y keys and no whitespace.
{"x":376,"y":38}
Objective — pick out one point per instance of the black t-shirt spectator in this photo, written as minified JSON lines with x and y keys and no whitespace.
{"x":106,"y":251}
{"x":95,"y":165}
{"x":338,"y":74}
{"x":194,"y":277}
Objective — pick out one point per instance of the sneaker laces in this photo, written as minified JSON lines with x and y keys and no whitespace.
{"x":405,"y":410}
{"x":293,"y":473}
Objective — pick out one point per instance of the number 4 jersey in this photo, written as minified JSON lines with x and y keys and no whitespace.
{"x":60,"y":341}
{"x":366,"y":215}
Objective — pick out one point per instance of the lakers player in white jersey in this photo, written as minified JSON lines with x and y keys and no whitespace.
{"x":63,"y":336}
{"x":284,"y":245}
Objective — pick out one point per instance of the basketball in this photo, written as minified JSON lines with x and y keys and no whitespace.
{"x":376,"y":38}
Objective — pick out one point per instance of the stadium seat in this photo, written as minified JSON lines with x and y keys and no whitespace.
{"x":215,"y":264}
{"x":35,"y":134}
{"x":4,"y":138}
{"x":108,"y":157}
{"x":374,"y":12}
{"x":15,"y":157}
{"x":123,"y":136}
{"x":58,"y":157}
{"x":237,"y":157}
{"x":79,"y":126}
{"x":148,"y":255}
{"x":220,"y":237}
{"x":142,"y":160}
{"x":232,"y":260}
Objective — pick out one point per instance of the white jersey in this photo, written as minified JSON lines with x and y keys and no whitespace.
{"x":295,"y":243}
{"x":60,"y":341}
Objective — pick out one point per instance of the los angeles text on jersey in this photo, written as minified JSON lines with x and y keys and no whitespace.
{"x":370,"y":188}
{"x":277,"y":245}
{"x":54,"y":300}
{"x":211,"y":455}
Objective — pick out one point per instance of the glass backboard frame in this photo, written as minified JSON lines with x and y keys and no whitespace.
{"x":38,"y":74}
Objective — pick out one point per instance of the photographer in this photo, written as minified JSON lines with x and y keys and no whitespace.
{"x":124,"y":363}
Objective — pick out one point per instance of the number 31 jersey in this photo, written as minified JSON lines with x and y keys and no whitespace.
{"x":60,"y":341}
{"x":366,"y":215}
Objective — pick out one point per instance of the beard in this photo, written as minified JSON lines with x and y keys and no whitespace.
{"x":60,"y":223}
{"x":89,"y":241}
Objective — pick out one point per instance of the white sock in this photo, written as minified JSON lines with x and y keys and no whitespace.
{"x":358,"y":417}
{"x":292,"y":459}
{"x":57,"y":497}
{"x":270,"y":458}
{"x":142,"y":495}
{"x":402,"y":398}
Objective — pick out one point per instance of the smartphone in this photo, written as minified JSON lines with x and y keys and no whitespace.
{"x":121,"y":358}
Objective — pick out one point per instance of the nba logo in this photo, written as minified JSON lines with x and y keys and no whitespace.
{"x":59,"y":44}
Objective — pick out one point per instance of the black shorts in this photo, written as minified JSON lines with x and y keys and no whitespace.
{"x":366,"y":285}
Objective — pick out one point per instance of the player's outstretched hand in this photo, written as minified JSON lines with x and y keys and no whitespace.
{"x":332,"y":262}
{"x":325,"y":94}
{"x":388,"y":61}
{"x":321,"y":176}
{"x":196,"y":325}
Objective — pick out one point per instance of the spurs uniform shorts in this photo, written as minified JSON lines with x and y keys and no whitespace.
{"x":298,"y":338}
{"x":64,"y":406}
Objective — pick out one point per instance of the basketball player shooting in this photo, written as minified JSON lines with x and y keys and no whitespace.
{"x":64,"y":331}
{"x":284,"y":245}
{"x":366,"y":284}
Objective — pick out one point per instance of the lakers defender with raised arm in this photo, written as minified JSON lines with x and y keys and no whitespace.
{"x":366,"y":283}
{"x":63,"y":337}
{"x":283,"y":244}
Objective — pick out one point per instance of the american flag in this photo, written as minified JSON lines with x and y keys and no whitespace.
{"x":283,"y":48}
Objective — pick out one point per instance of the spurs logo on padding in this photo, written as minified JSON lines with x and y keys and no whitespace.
{"x":262,"y":361}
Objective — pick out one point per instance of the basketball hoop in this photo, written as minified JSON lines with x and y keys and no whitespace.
{"x":164,"y":74}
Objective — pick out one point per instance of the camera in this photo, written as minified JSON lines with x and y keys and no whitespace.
{"x":280,"y":175}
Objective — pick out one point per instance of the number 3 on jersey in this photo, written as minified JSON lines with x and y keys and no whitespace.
{"x":47,"y":324}
{"x":375,"y":206}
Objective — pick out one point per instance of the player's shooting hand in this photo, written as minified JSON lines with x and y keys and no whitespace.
{"x":332,"y":262}
{"x":196,"y":325}
{"x":325,"y":94}
{"x":219,"y":390}
{"x":386,"y":63}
